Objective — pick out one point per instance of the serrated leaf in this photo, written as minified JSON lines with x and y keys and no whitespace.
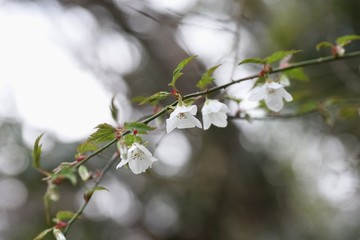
{"x":155,"y":98}
{"x":104,"y":133}
{"x":64,"y":215}
{"x":84,"y":173}
{"x":86,"y":147}
{"x":323,"y":44}
{"x":344,"y":40}
{"x":177,"y":72}
{"x":114,"y":110}
{"x":36,"y":153}
{"x":43,"y":234}
{"x":141,"y":128}
{"x":253,"y":60}
{"x":277,"y":56}
{"x":130,"y":139}
{"x":297,"y":73}
{"x":207,"y":78}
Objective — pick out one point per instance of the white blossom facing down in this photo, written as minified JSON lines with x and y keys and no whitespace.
{"x":139,"y":158}
{"x":183,"y":117}
{"x":214,"y":112}
{"x":273,"y":93}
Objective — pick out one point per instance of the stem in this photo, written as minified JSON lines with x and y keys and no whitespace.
{"x":97,"y":182}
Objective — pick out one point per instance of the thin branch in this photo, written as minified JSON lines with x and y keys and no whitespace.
{"x":97,"y":182}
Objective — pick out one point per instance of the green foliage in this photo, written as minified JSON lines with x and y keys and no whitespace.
{"x":114,"y":110}
{"x":63,"y":215}
{"x":207,"y":78}
{"x":129,"y":139}
{"x":189,"y":101}
{"x":65,"y":172}
{"x":308,"y":106}
{"x":84,"y":173}
{"x":86,"y":147}
{"x":253,"y":60}
{"x":323,"y":44}
{"x":277,"y":56}
{"x":104,"y":133}
{"x":297,"y":73}
{"x":43,"y":234}
{"x":348,"y":112}
{"x":153,"y":99}
{"x":345,"y":40}
{"x":36,"y":153}
{"x":88,"y":194}
{"x":141,"y":128}
{"x":177,"y":72}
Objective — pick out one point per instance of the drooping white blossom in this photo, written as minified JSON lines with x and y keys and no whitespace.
{"x":273,"y":93}
{"x":214,"y":112}
{"x":182,"y":117}
{"x":138,"y":157}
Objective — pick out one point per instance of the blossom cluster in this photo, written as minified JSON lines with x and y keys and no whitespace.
{"x":139,"y":158}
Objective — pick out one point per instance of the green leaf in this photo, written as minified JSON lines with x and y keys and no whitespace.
{"x":67,"y":172}
{"x":88,"y":194}
{"x":129,"y":139}
{"x":348,"y":112}
{"x":207,"y":78}
{"x":104,"y":133}
{"x":142,"y":128}
{"x":277,"y":56}
{"x":84,"y":173}
{"x":297,"y":73}
{"x":114,"y":110}
{"x":189,"y":101}
{"x":308,"y":106}
{"x":86,"y":147}
{"x":43,"y":234}
{"x":323,"y":44}
{"x":155,"y":98}
{"x":345,"y":40}
{"x":177,"y":72}
{"x":253,"y":60}
{"x":64,"y":215}
{"x":36,"y":153}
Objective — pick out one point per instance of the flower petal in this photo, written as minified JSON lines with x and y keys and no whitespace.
{"x":139,"y":166}
{"x":219,"y":120}
{"x":283,"y":93}
{"x":122,"y":163}
{"x":171,"y":124}
{"x":258,"y":93}
{"x":274,"y":102}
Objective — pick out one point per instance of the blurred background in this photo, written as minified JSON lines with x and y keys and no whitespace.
{"x":63,"y":60}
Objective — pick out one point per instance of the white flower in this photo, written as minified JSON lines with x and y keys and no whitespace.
{"x":340,"y":50}
{"x":139,"y":159}
{"x":273,"y":93}
{"x":214,"y":112}
{"x":182,"y":117}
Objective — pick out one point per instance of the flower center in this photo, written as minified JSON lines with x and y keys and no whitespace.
{"x":138,"y":155}
{"x":181,"y":116}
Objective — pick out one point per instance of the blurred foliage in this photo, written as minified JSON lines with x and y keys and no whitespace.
{"x":234,"y":186}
